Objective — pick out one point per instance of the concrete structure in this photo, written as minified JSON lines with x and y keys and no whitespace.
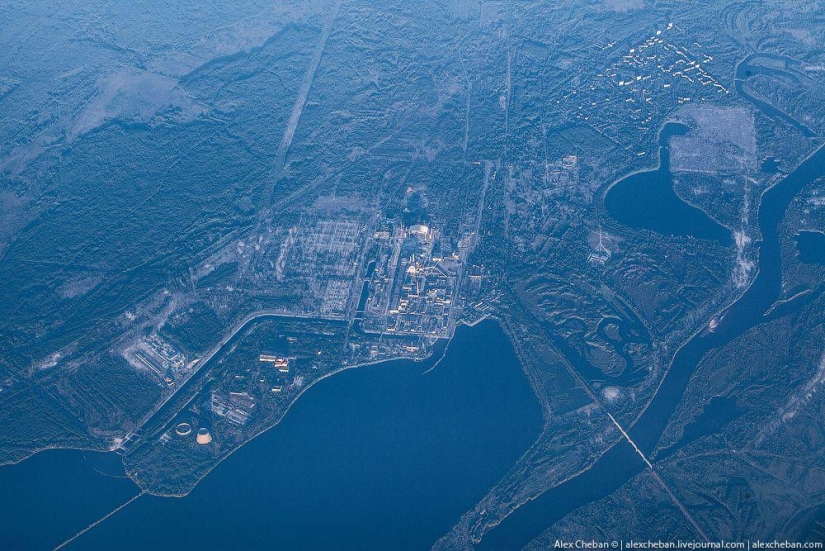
{"x":203,"y":437}
{"x":421,"y":231}
{"x":183,"y":429}
{"x":280,"y":363}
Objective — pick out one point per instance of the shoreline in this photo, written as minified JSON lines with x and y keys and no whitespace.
{"x":286,"y":411}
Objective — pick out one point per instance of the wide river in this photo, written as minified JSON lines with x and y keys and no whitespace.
{"x":620,"y":464}
{"x":380,"y":457}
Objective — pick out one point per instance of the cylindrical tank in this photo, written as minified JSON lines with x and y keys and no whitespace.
{"x":203,"y":436}
{"x":183,"y":429}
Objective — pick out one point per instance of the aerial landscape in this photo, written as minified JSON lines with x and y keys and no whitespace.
{"x":469,"y":274}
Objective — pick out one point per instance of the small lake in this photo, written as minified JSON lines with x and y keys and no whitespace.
{"x":621,"y":463}
{"x":380,"y":457}
{"x":810,"y":247}
{"x":647,"y":200}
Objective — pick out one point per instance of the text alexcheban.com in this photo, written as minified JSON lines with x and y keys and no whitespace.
{"x":622,"y":545}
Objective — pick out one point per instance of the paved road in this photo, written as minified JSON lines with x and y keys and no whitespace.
{"x":158,"y":418}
